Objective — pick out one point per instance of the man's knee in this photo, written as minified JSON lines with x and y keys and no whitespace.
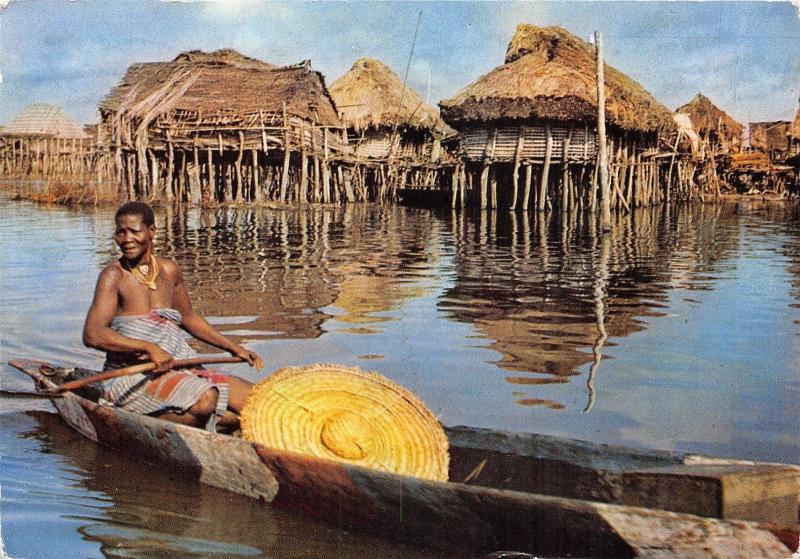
{"x":206,"y":404}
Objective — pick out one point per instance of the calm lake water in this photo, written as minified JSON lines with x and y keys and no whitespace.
{"x":678,"y":330}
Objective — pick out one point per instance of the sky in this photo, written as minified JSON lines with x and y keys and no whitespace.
{"x":745,"y":56}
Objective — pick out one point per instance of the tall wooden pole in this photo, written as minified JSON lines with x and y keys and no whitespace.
{"x":605,"y":208}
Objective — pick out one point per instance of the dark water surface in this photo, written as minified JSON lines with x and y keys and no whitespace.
{"x":679,"y":330}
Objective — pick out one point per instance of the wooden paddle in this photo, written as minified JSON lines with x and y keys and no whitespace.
{"x":132,"y":370}
{"x":143,"y":368}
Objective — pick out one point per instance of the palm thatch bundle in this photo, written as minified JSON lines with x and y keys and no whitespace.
{"x":371,"y":95}
{"x":44,"y":120}
{"x":550,"y":74}
{"x":711,"y":122}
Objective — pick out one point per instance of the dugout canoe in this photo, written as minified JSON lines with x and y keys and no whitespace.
{"x":531,"y":493}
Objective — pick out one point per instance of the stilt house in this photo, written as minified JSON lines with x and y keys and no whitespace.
{"x":794,"y":148}
{"x":540,"y":109}
{"x":43,"y":141}
{"x":223,"y":127}
{"x":720,"y":132}
{"x":771,"y":138}
{"x":395,"y":135}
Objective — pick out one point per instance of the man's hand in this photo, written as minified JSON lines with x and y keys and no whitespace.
{"x":163,"y":360}
{"x":251,"y":357}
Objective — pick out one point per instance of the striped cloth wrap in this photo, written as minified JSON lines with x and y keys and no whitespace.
{"x":173,"y":391}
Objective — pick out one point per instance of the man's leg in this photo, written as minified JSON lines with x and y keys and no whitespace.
{"x":198,"y":414}
{"x":238,"y":390}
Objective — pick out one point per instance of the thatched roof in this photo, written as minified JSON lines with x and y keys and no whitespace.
{"x":221,"y":84}
{"x":41,"y":119}
{"x":550,"y":73}
{"x":372,"y":95}
{"x":796,"y":125}
{"x":707,"y":117}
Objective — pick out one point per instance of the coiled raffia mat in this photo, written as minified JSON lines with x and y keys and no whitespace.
{"x":349,"y":415}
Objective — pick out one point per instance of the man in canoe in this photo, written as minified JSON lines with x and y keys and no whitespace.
{"x":140,"y":310}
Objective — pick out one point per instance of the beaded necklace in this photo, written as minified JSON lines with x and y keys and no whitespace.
{"x":151,"y":272}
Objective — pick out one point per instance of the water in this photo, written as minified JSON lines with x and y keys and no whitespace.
{"x":678,"y":330}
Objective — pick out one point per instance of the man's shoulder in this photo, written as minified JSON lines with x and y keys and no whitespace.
{"x":111,"y":275}
{"x":112,"y":271}
{"x":168,"y":266}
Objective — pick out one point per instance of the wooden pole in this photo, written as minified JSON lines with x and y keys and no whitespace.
{"x":515,"y":176}
{"x":548,"y":153}
{"x":286,"y":155}
{"x":254,"y":171}
{"x":326,"y":175}
{"x":565,"y":173}
{"x":170,"y":165}
{"x":238,"y":167}
{"x":527,"y":193}
{"x":211,"y":186}
{"x":196,"y":191}
{"x":493,"y":185}
{"x":605,"y":208}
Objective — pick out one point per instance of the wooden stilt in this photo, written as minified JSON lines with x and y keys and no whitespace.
{"x":548,"y":152}
{"x":286,"y":155}
{"x":527,"y":192}
{"x":565,"y":173}
{"x":170,"y":168}
{"x":211,"y":184}
{"x":605,"y":208}
{"x":515,"y":175}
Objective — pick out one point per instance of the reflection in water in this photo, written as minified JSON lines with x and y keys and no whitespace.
{"x":599,"y":313}
{"x":549,"y":294}
{"x":284,"y":267}
{"x":149,"y":512}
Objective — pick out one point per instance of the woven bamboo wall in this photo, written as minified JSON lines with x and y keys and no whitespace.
{"x":583,"y":143}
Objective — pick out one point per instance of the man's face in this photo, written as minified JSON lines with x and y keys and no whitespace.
{"x":133,"y":237}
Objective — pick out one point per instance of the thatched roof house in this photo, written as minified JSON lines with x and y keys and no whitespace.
{"x":224,"y":104}
{"x":43,"y":120}
{"x":795,"y":133}
{"x":549,"y":74}
{"x":772,"y":137}
{"x":541,"y":106}
{"x":374,"y":105}
{"x":44,"y":141}
{"x":198,"y":90}
{"x":713,"y":124}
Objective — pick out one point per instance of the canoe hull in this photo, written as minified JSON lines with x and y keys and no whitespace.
{"x":455,"y":516}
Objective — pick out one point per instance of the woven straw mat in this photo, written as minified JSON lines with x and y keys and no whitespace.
{"x":345,"y":414}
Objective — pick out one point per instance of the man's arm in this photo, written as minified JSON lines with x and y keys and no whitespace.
{"x":97,"y":332}
{"x":199,"y":327}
